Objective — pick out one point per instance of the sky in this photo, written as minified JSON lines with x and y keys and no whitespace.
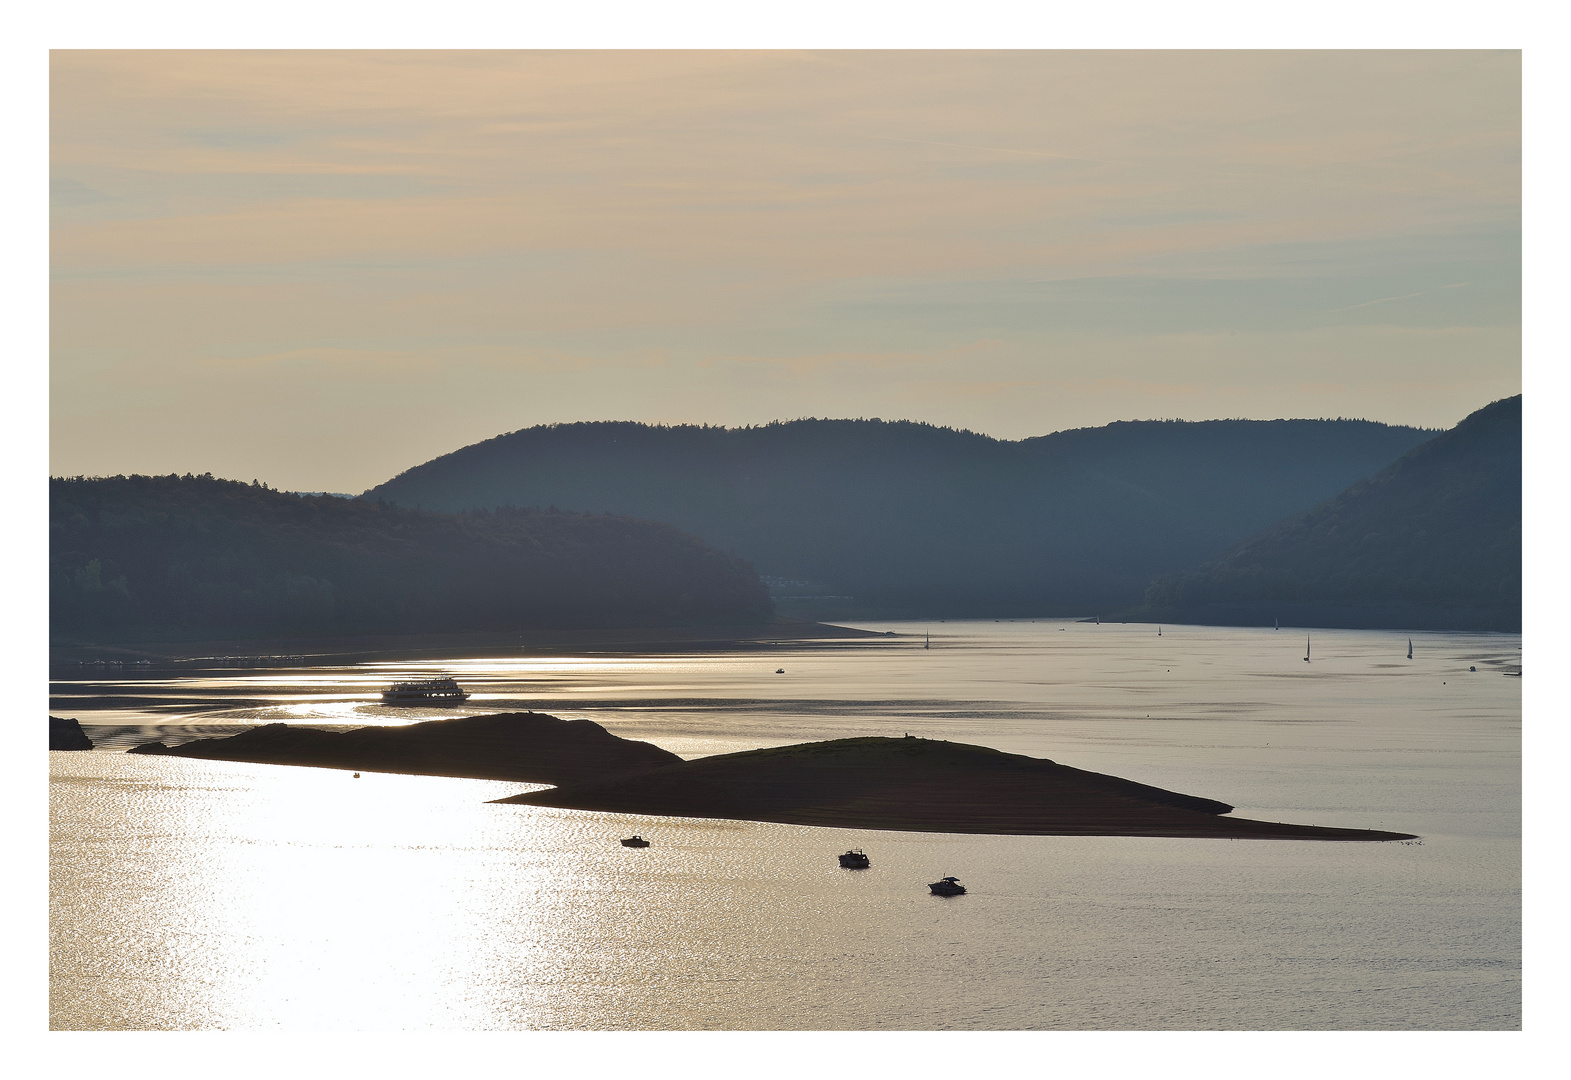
{"x":318,"y":269}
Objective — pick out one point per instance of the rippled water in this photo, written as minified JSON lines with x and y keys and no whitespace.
{"x":189,"y":894}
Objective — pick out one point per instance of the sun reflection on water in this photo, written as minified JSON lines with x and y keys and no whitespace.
{"x":193,"y":894}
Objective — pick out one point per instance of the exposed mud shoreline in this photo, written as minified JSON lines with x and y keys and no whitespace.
{"x":775,"y":634}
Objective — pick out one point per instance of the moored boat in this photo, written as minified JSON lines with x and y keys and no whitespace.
{"x":439,"y":691}
{"x":947,"y":886}
{"x":635,"y":841}
{"x":855,"y":859}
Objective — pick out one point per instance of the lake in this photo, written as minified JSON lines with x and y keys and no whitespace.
{"x":189,"y":894}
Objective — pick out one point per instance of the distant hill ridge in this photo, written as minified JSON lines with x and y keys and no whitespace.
{"x":172,"y":558}
{"x":1434,"y":541}
{"x":909,"y":518}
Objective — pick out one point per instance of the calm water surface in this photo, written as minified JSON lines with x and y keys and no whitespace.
{"x":189,"y":894}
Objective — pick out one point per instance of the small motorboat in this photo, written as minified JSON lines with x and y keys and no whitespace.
{"x":635,"y":841}
{"x":855,"y":859}
{"x":947,"y":886}
{"x":779,"y":671}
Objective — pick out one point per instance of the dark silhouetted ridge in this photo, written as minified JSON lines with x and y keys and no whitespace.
{"x":167,"y":557}
{"x":901,"y":517}
{"x":1433,"y":541}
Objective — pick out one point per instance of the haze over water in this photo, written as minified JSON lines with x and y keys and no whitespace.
{"x":211,"y":894}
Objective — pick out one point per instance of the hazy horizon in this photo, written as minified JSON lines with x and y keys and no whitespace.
{"x":700,"y":423}
{"x":321,"y":268}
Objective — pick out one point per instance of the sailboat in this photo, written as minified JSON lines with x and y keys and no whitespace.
{"x":1306,"y":648}
{"x":1276,"y":624}
{"x":928,"y":644}
{"x":1159,"y":631}
{"x":1410,"y":648}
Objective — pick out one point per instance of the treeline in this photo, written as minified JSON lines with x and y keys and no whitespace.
{"x":910,"y":519}
{"x":1433,"y":541}
{"x":165,"y":556}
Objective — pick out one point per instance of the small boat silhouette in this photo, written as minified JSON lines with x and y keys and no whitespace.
{"x":779,"y":671}
{"x":635,"y":841}
{"x":1410,"y":648}
{"x":947,"y":886}
{"x":855,"y":860}
{"x":1306,"y":648}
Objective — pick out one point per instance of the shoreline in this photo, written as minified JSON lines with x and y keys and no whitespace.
{"x":345,"y":650}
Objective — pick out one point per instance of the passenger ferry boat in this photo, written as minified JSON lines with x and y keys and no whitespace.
{"x":440,"y":691}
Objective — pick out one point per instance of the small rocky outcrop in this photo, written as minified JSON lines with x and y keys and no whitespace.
{"x":66,"y":734}
{"x":149,"y":748}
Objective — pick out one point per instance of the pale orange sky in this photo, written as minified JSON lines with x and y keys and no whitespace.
{"x":318,"y":269}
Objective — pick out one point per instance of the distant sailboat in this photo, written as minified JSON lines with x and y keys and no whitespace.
{"x":1098,"y":620}
{"x":1276,"y":624}
{"x":1159,"y":631}
{"x":1410,"y":648}
{"x":928,"y":644}
{"x":1306,"y":648}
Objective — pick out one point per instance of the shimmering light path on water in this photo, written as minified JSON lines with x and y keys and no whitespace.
{"x":208,"y":894}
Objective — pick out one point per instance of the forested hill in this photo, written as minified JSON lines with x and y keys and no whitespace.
{"x":907,"y":518}
{"x":1433,"y":541}
{"x":166,"y":557}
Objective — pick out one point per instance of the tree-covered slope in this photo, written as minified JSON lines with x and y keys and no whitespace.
{"x":168,"y":556}
{"x":911,"y":518}
{"x":1434,"y":540}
